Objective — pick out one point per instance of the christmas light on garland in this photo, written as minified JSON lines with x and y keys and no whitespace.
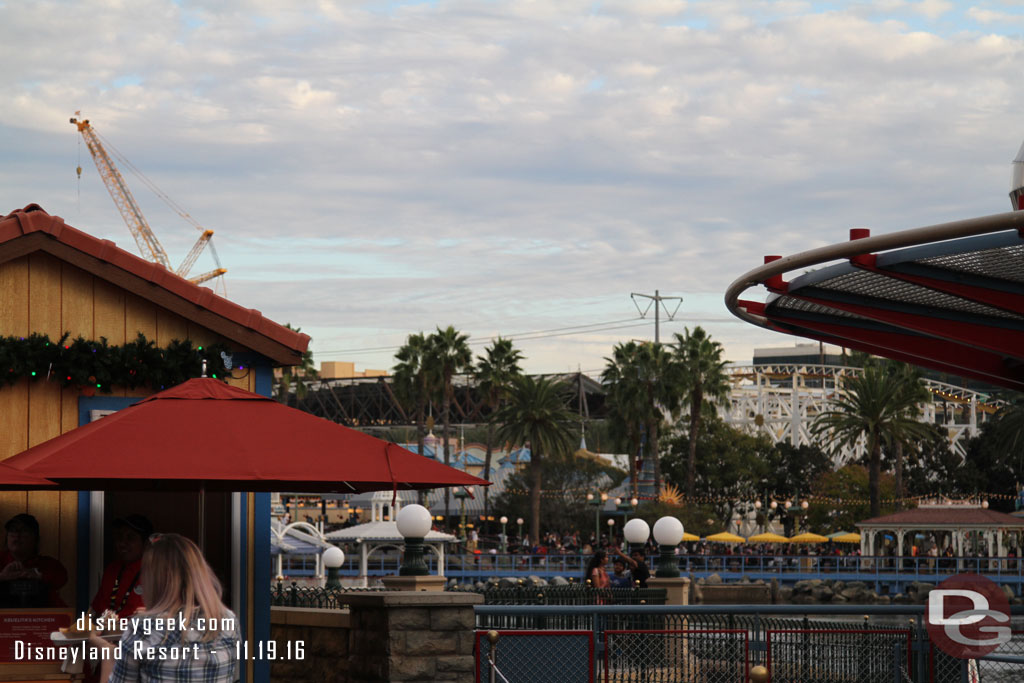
{"x":98,"y":365}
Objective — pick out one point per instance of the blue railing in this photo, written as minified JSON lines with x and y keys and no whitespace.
{"x":787,"y":569}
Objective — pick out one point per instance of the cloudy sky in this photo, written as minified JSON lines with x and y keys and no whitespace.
{"x":375,"y":169}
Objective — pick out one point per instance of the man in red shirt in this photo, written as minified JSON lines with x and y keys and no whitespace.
{"x":120,"y":591}
{"x":28,"y":579}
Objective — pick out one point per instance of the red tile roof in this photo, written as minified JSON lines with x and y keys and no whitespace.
{"x":931,"y":516}
{"x":32,"y":229}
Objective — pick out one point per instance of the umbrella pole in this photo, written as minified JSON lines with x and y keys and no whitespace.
{"x":201,"y":536}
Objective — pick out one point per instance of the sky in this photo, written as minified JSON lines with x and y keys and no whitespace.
{"x":519,"y":168}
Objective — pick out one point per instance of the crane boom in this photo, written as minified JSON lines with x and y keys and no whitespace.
{"x":149,"y":245}
{"x":144,"y":236}
{"x":193,"y":254}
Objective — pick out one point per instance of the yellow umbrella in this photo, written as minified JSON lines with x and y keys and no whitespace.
{"x":726,"y":537}
{"x":768,"y":538}
{"x":687,"y":536}
{"x":808,"y":538}
{"x":852,"y":537}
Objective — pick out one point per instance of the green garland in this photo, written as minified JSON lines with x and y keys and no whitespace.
{"x":98,"y":365}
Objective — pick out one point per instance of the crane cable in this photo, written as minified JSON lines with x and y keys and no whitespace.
{"x":149,"y":183}
{"x":78,"y":170}
{"x":177,"y":208}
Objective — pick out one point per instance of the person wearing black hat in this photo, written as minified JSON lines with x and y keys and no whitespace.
{"x":28,"y":579}
{"x":120,"y":591}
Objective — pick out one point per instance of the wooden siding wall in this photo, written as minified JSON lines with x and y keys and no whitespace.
{"x":39,"y":293}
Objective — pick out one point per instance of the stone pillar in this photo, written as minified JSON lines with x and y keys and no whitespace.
{"x":429,"y":582}
{"x":407,"y":636}
{"x":677,"y":591}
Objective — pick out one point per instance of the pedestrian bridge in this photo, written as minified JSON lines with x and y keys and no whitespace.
{"x":889,"y":575}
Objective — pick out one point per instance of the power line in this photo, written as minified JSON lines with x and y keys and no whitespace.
{"x":519,"y":336}
{"x":541,"y":334}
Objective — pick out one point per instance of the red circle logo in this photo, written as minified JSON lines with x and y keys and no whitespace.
{"x":968,"y":616}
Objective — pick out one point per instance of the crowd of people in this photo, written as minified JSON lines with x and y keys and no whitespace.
{"x":709,"y":556}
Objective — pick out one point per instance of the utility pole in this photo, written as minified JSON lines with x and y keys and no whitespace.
{"x":656,"y":300}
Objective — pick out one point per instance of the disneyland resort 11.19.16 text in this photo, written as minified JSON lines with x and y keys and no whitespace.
{"x":82,"y":650}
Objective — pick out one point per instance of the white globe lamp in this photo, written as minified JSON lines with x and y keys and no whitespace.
{"x":636,"y":533}
{"x":668,"y":533}
{"x":413,"y":524}
{"x":332,"y":559}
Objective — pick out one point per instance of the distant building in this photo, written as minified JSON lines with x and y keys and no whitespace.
{"x":800,"y":354}
{"x":339,"y":369}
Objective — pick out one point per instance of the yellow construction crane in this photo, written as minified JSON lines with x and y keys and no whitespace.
{"x":149,"y":245}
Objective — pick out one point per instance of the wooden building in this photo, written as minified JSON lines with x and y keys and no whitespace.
{"x":55,"y":279}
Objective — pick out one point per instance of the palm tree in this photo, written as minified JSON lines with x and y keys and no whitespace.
{"x":305,"y":369}
{"x":909,"y":378}
{"x":494,"y":373}
{"x":640,"y":378}
{"x":413,"y":382}
{"x":447,"y":355}
{"x":1008,"y":425}
{"x":702,"y":378}
{"x":877,"y":406}
{"x":535,"y":414}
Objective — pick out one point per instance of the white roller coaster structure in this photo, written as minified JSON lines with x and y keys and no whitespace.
{"x":781,"y":401}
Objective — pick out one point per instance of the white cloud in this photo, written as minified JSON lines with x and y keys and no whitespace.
{"x":372,"y":171}
{"x":988,"y":16}
{"x":933,"y":9}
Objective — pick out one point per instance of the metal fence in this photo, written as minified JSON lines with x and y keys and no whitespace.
{"x":653,"y":656}
{"x":573,"y":594}
{"x":528,"y":656}
{"x":895,"y":572}
{"x":313,"y":596}
{"x":797,"y":655}
{"x":796,"y":643}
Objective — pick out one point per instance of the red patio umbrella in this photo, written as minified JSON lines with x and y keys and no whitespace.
{"x":11,"y":478}
{"x":207,"y":435}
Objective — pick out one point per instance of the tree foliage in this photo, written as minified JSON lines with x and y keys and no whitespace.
{"x":851,"y":485}
{"x":735,"y":467}
{"x":643,"y":390}
{"x":702,"y":380}
{"x":296,"y":373}
{"x":494,"y":373}
{"x":535,"y":415}
{"x":447,"y":354}
{"x":563,"y":504}
{"x":877,"y":406}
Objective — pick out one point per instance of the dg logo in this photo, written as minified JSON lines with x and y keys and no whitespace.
{"x":968,"y":616}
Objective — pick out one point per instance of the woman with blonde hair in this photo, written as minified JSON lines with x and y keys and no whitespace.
{"x":185,"y":632}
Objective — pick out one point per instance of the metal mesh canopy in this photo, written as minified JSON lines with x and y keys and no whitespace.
{"x":955,"y":305}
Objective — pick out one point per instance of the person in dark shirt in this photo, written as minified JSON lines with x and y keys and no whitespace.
{"x":120,"y":590}
{"x":28,"y":579}
{"x":637,"y":564}
{"x":620,"y":577}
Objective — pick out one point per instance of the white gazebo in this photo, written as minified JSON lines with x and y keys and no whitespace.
{"x":297,"y":538}
{"x":965,"y":525}
{"x":381,"y":532}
